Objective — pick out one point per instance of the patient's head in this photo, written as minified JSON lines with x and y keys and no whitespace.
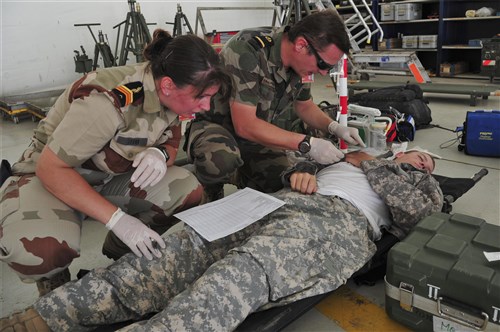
{"x":417,"y":159}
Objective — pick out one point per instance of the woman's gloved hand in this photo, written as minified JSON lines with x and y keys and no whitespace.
{"x":348,"y":134}
{"x":324,"y":152}
{"x":137,"y":236}
{"x":151,"y":168}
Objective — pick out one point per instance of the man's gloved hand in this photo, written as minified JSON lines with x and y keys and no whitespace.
{"x":137,"y":236}
{"x":151,"y":168}
{"x":324,"y":152}
{"x":348,"y":134}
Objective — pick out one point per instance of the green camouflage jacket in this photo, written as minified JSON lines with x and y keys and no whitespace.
{"x":253,"y":58}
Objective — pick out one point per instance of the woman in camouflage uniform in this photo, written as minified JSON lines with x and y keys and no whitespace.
{"x":106,"y":150}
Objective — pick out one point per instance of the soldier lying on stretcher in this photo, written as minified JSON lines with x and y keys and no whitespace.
{"x":309,"y":246}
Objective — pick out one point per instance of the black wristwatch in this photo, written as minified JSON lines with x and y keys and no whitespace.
{"x":305,"y":144}
{"x":164,"y":151}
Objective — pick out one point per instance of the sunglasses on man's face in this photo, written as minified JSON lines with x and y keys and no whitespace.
{"x":322,"y":64}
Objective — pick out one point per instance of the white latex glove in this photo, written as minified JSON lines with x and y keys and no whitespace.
{"x":151,"y":168}
{"x":324,"y":152}
{"x":348,"y":134}
{"x":137,"y":236}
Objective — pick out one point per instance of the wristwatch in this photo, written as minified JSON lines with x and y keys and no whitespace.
{"x":305,"y":144}
{"x":164,"y":151}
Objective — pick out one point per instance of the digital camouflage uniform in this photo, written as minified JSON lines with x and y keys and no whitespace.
{"x":97,"y":126}
{"x":309,"y":246}
{"x":253,"y":58}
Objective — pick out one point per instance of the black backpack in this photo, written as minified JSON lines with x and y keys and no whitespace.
{"x":408,"y":99}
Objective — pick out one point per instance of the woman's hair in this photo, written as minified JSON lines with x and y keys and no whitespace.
{"x":187,"y":60}
{"x":322,"y":28}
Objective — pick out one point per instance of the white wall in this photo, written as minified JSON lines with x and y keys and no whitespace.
{"x":38,"y":37}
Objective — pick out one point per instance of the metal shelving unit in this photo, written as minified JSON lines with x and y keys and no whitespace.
{"x":471,"y":18}
{"x":457,"y":30}
{"x":453,"y":29}
{"x":409,"y":22}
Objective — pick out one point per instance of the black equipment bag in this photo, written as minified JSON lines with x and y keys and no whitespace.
{"x":408,"y":99}
{"x":404,"y":126}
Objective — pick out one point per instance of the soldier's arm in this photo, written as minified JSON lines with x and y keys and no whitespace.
{"x":86,"y":128}
{"x":302,"y":176}
{"x":312,"y":115}
{"x":62,"y":181}
{"x":409,"y":194}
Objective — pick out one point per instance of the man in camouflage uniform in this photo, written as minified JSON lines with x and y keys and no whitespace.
{"x":105,"y":146}
{"x":251,"y":134}
{"x":309,"y":246}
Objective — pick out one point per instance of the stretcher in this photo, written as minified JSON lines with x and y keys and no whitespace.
{"x":474,"y":91}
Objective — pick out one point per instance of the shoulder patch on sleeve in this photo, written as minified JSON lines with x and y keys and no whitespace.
{"x":258,"y":42}
{"x":129,"y":93}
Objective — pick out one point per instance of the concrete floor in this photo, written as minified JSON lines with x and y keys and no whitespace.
{"x":447,"y":111}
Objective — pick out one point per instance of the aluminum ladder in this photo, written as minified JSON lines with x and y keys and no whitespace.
{"x":360,"y":28}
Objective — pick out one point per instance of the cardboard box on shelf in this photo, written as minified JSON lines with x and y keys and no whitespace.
{"x":450,"y":69}
{"x":390,"y":43}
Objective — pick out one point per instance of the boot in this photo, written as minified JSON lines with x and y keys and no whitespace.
{"x":212,"y":193}
{"x":45,"y":285}
{"x":113,"y":247}
{"x":25,"y":321}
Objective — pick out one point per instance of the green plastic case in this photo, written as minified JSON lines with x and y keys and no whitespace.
{"x":439,"y":279}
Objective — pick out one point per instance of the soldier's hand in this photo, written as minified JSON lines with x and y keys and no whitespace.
{"x":348,"y":134}
{"x":303,"y":182}
{"x":137,"y":236}
{"x":324,"y":152}
{"x":151,"y":168}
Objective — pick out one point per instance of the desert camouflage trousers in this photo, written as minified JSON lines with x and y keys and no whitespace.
{"x":311,"y":245}
{"x":219,"y":157}
{"x":40,"y":235}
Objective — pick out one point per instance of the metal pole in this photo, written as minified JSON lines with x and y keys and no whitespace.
{"x":342,"y":89}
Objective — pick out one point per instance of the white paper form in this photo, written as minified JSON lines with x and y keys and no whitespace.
{"x":229,"y":214}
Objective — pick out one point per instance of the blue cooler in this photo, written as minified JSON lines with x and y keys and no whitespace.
{"x":481,"y":135}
